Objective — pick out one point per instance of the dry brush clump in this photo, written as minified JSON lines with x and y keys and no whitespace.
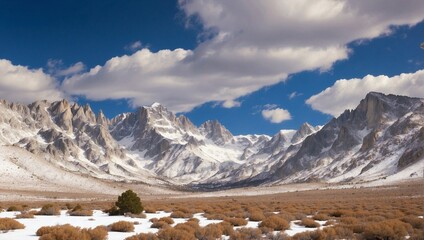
{"x":25,"y":214}
{"x":80,"y":211}
{"x":121,"y":226}
{"x":143,"y":236}
{"x":236,"y":221}
{"x":68,"y":232}
{"x":275,"y":223}
{"x":246,"y":234}
{"x":309,"y":223}
{"x":7,"y":224}
{"x":181,"y":214}
{"x":159,"y":224}
{"x":168,"y":220}
{"x":49,"y":210}
{"x":209,"y":232}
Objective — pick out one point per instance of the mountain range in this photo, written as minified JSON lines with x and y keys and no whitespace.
{"x":381,"y":139}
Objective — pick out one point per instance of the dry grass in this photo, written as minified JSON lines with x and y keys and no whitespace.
{"x":181,"y":214}
{"x":168,"y":220}
{"x":309,"y":223}
{"x":143,"y":236}
{"x":275,"y":223}
{"x":246,"y":234}
{"x":49,"y":209}
{"x":236,"y":221}
{"x":68,"y":232}
{"x":24,"y":214}
{"x":159,"y":224}
{"x":121,"y":226}
{"x":7,"y":224}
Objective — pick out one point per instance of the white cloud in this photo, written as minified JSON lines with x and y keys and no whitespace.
{"x":276,"y":115}
{"x":294,"y":94}
{"x":347,"y":93}
{"x":251,"y":44}
{"x":21,"y":84}
{"x":134,"y":46}
{"x":231,"y":104}
{"x":55,"y":68}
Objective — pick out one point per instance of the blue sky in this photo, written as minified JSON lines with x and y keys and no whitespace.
{"x":255,"y":68}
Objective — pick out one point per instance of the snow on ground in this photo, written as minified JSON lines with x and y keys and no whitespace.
{"x":99,"y":218}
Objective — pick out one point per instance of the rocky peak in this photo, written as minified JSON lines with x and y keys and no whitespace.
{"x":215,"y":131}
{"x":305,"y":130}
{"x":101,"y":119}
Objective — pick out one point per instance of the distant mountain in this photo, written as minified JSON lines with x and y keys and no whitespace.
{"x":382,"y":138}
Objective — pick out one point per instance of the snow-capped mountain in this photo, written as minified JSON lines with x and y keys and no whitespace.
{"x":382,"y":138}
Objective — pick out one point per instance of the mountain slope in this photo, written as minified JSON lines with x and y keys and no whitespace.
{"x":382,"y":139}
{"x":377,"y":139}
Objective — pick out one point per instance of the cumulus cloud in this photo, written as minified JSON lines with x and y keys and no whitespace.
{"x":347,"y":93}
{"x":251,"y":44}
{"x":21,"y":84}
{"x":276,"y":115}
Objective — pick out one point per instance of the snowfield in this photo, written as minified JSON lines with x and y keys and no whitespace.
{"x":99,"y":218}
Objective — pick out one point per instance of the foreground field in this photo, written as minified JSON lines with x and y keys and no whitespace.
{"x":391,"y":212}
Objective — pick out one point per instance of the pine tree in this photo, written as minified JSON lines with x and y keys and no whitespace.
{"x":129,"y":202}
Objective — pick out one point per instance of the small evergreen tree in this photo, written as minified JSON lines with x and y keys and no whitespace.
{"x":129,"y":202}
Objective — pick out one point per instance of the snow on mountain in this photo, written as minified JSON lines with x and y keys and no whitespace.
{"x":380,"y":138}
{"x":383,"y":138}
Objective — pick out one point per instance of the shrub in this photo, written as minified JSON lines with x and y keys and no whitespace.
{"x":227,"y":228}
{"x":10,"y":224}
{"x":49,"y":210}
{"x":415,"y":222}
{"x":320,"y":217}
{"x":246,"y":234}
{"x":209,"y":232}
{"x":167,"y":220}
{"x":132,"y":215}
{"x":25,"y":215}
{"x":121,"y":226}
{"x":236,"y":221}
{"x":175,"y":234}
{"x":310,"y":235}
{"x":149,"y":210}
{"x":69,"y":232}
{"x":129,"y":202}
{"x":180,"y":214}
{"x":159,"y":224}
{"x":388,"y":229}
{"x":256,"y":216}
{"x":97,"y":233}
{"x":13,"y":209}
{"x":79,"y":211}
{"x":190,"y":227}
{"x":349,"y":220}
{"x":276,"y":223}
{"x":143,"y":236}
{"x":309,"y":223}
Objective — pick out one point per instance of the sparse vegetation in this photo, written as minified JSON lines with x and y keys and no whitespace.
{"x":309,"y":223}
{"x":246,"y":234}
{"x":7,"y":224}
{"x":79,"y":211}
{"x":275,"y":223}
{"x":49,"y":209}
{"x":68,"y":232}
{"x":121,"y":226}
{"x":24,"y":214}
{"x":143,"y":236}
